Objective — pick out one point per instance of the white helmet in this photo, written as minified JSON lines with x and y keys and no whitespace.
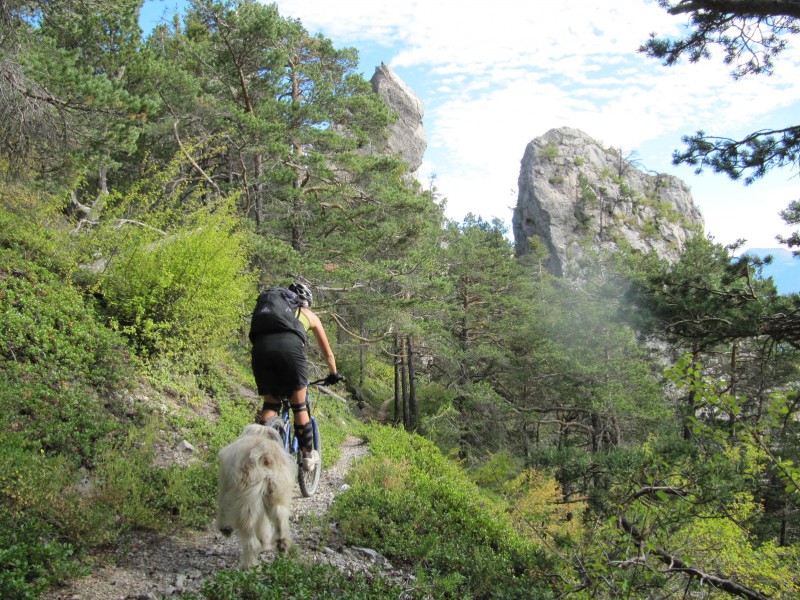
{"x":303,"y":292}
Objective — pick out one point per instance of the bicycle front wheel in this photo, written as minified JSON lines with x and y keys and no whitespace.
{"x":309,"y":480}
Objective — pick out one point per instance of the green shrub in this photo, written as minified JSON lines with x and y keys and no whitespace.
{"x":31,"y":560}
{"x":410,"y":503}
{"x":186,"y":291}
{"x":288,"y":578}
{"x":374,"y":379}
{"x":29,"y":227}
{"x":334,"y":422}
{"x":46,"y":323}
{"x":57,"y":359}
{"x":70,"y":422}
{"x":37,"y":506}
{"x":189,"y":494}
{"x":549,"y":152}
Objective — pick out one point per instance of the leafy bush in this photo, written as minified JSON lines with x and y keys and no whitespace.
{"x":56,"y":359}
{"x":34,"y":492}
{"x":549,"y":152}
{"x":28,"y":226}
{"x":31,"y":561}
{"x":287,"y":578}
{"x":183,"y":292}
{"x":170,"y":265}
{"x":189,"y":494}
{"x":410,"y":503}
{"x":47,"y":323}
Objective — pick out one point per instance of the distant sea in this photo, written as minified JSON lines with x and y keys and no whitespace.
{"x":784,"y":270}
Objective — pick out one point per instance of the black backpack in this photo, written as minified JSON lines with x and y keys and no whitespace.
{"x":277,"y":309}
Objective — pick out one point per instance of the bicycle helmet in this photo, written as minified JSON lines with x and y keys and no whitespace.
{"x":303,"y":292}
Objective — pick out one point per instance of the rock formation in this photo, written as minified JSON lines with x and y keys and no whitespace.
{"x":576,"y":195}
{"x":406,"y":137}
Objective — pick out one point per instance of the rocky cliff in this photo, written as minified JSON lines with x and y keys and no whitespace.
{"x":407,"y":136}
{"x":576,"y":195}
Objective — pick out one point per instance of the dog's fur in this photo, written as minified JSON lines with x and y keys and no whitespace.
{"x":255,"y":487}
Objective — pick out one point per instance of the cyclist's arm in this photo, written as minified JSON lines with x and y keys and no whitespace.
{"x":322,"y":339}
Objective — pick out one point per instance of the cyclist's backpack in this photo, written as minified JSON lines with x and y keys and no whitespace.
{"x":277,"y":310}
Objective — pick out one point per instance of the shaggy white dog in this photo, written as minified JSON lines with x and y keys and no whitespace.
{"x":255,"y":487}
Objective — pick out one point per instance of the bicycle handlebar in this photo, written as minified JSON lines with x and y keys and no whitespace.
{"x":319,"y":381}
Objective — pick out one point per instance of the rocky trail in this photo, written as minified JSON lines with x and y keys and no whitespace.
{"x":150,"y":566}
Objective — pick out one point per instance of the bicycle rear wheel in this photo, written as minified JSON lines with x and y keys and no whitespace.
{"x":309,"y":480}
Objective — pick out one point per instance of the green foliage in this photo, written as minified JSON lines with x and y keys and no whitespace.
{"x":41,"y":511}
{"x":290,"y":578}
{"x":539,"y":511}
{"x":175,"y":280}
{"x":715,"y":411}
{"x":32,"y":561}
{"x":495,"y":472}
{"x":72,"y":106}
{"x":129,"y":490}
{"x":55,"y":357}
{"x":411,"y":504}
{"x":189,"y":494}
{"x":549,"y":152}
{"x":373,"y":378}
{"x":186,"y":292}
{"x":334,"y":421}
{"x":722,"y":545}
{"x":30,"y":226}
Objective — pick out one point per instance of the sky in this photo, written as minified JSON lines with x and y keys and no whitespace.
{"x":493,"y":76}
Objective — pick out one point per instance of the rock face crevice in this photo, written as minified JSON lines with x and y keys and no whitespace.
{"x":406,"y":136}
{"x":575,"y":195}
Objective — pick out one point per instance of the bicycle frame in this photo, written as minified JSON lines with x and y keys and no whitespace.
{"x":308,"y":480}
{"x":290,"y":443}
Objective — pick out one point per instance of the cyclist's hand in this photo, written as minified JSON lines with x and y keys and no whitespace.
{"x":333,"y":378}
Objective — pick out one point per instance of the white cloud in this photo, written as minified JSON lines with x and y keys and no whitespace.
{"x":494,"y":75}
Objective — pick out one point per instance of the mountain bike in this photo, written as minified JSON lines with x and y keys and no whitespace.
{"x":308,"y":480}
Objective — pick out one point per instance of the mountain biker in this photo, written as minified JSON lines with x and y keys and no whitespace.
{"x":280,"y":368}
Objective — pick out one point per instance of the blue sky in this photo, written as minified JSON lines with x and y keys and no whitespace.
{"x":495,"y":75}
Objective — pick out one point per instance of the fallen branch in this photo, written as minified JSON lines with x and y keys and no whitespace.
{"x":197,"y":167}
{"x":676,"y":565}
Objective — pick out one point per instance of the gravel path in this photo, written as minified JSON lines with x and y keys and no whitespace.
{"x":149,"y":566}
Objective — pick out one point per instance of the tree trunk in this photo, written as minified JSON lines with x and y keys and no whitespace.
{"x":361,"y":360}
{"x":404,"y":384}
{"x":397,"y":380}
{"x":258,"y":189}
{"x":595,"y":436}
{"x":691,"y":406}
{"x":412,"y":387}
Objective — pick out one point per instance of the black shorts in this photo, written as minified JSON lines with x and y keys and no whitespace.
{"x":279,"y":364}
